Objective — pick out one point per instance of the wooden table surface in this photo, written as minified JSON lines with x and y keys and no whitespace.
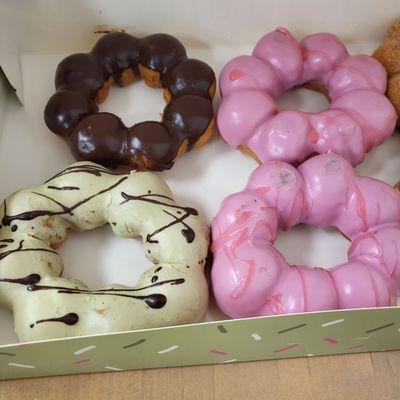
{"x":358,"y":376}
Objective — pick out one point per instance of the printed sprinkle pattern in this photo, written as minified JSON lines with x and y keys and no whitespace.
{"x":232,"y":341}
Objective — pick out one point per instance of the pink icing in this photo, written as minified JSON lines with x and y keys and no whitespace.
{"x":251,"y":278}
{"x":259,"y":106}
{"x":280,"y":50}
{"x":363,"y":117}
{"x":247,"y":72}
{"x":321,"y":51}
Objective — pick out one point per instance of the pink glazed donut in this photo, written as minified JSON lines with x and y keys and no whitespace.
{"x":251,"y":278}
{"x":359,"y":117}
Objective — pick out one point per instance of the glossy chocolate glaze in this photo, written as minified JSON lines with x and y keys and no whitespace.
{"x":161,"y":52}
{"x":102,"y":137}
{"x":190,"y":76}
{"x":98,"y":136}
{"x":152,"y":141}
{"x":80,"y":72}
{"x":65,"y":109}
{"x":188,"y":116}
{"x":117,"y":51}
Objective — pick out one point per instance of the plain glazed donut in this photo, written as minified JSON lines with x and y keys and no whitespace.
{"x":82,"y":197}
{"x":83,"y":80}
{"x":251,"y":278}
{"x":359,"y":118}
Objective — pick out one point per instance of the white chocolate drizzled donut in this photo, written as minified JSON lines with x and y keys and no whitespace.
{"x":82,"y":197}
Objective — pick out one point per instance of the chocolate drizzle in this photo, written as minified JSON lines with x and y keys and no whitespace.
{"x":32,"y":282}
{"x":21,"y":249}
{"x":31,"y":279}
{"x":68,"y":319}
{"x":82,"y":80}
{"x":63,"y":187}
{"x":83,"y":168}
{"x":187,"y":232}
{"x":30,"y":215}
{"x":154,"y":300}
{"x":64,"y":289}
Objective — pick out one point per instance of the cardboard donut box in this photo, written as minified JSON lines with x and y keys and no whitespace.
{"x":36,"y":36}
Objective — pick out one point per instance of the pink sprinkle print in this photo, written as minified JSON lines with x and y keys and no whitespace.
{"x":356,"y":346}
{"x":330,"y":340}
{"x":219,"y":352}
{"x":79,"y":362}
{"x":290,"y":346}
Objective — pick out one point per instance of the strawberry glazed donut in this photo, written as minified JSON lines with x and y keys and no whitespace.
{"x":359,"y":117}
{"x":251,"y":278}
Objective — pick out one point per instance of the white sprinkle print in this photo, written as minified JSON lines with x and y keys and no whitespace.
{"x":21,"y":365}
{"x":363,"y":338}
{"x":336,"y":321}
{"x":84,"y":350}
{"x":256,"y":336}
{"x":113,"y":368}
{"x":168,"y":349}
{"x":228,"y":361}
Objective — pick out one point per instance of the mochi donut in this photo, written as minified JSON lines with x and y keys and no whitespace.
{"x":83,"y":81}
{"x":359,"y":117}
{"x":251,"y":278}
{"x":84,"y":196}
{"x":388,"y":53}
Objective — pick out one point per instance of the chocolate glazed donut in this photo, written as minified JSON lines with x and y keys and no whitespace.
{"x":83,"y":80}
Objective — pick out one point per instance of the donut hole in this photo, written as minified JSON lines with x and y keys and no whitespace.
{"x":306,"y":245}
{"x":303,"y":99}
{"x":134,"y":103}
{"x":90,"y":257}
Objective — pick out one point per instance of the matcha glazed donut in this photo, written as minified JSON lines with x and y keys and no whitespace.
{"x":84,"y":196}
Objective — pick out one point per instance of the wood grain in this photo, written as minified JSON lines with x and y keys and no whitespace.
{"x":374,"y":376}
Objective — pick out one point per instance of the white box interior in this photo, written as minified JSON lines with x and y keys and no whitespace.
{"x":212,"y":31}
